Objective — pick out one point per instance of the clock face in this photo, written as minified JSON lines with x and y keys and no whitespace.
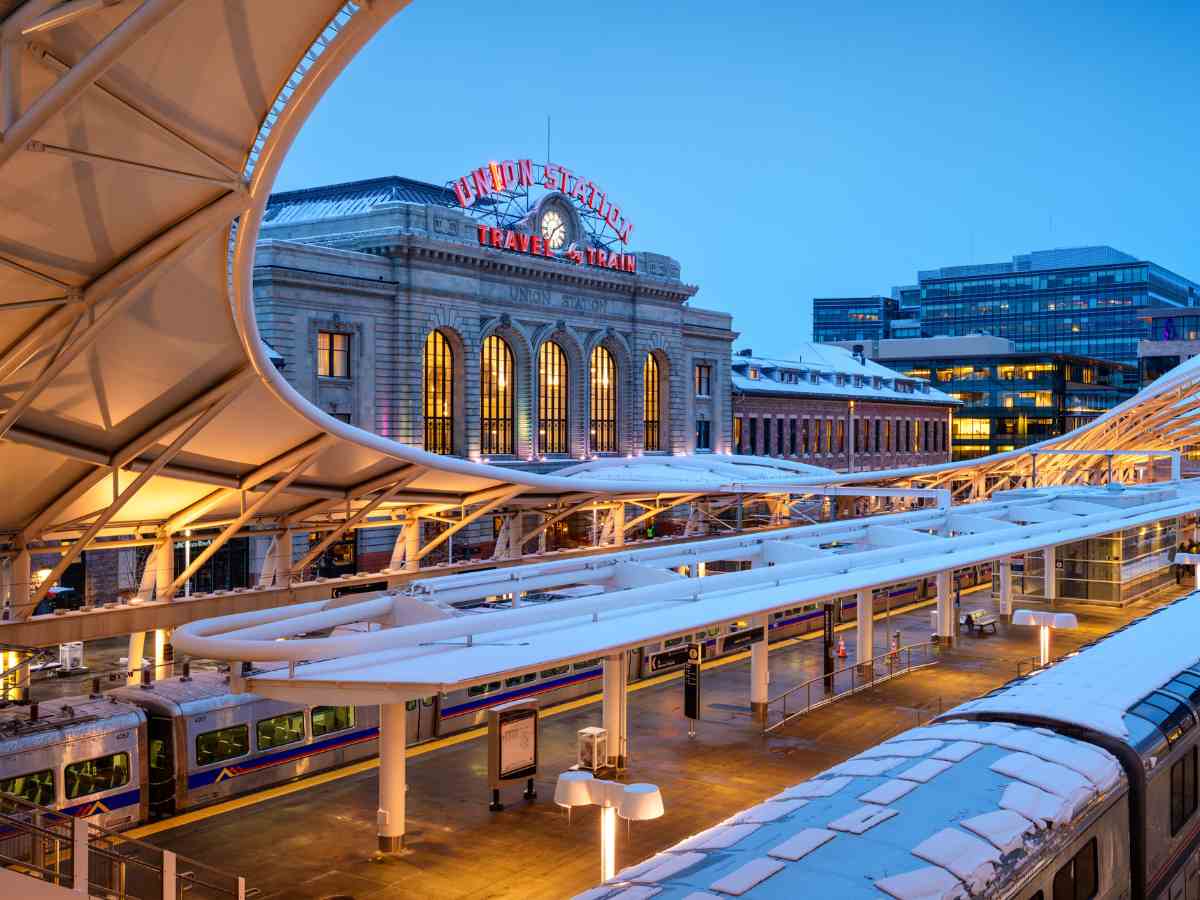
{"x":554,"y":229}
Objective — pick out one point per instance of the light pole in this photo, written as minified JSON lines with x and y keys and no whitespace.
{"x":632,"y":802}
{"x":1044,"y":621}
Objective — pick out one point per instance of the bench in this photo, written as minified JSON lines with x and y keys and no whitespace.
{"x":977,"y":620}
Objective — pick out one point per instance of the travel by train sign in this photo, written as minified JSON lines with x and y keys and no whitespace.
{"x":536,"y":245}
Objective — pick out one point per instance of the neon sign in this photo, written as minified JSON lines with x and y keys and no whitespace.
{"x":511,"y":175}
{"x":535,"y":245}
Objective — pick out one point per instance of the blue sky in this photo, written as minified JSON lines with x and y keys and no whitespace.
{"x":785,"y":151}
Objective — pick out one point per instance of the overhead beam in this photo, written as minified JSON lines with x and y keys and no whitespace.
{"x":638,"y":520}
{"x":467,"y":519}
{"x":551,"y":521}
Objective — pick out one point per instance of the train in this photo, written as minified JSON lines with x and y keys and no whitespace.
{"x":139,"y":753}
{"x":1075,"y":782}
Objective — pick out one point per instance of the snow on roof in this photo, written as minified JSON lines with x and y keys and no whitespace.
{"x":703,"y":470}
{"x":1096,"y":689}
{"x":950,"y":836}
{"x":826,"y":370}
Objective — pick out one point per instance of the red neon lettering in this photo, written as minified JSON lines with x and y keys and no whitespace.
{"x":523,"y":242}
{"x":624,"y":231}
{"x":614,"y":261}
{"x":630,"y":262}
{"x":591,"y":256}
{"x":536,"y":245}
{"x":483,"y":235}
{"x":525,"y":172}
{"x":564,"y":178}
{"x":549,"y":176}
{"x":462,"y":190}
{"x":510,"y":241}
{"x":547,"y":250}
{"x":579,"y":192}
{"x":497,"y":175}
{"x":592,"y":197}
{"x":613,"y":217}
{"x":601,"y":258}
{"x":482,"y":179}
{"x":497,"y":236}
{"x":508,"y":169}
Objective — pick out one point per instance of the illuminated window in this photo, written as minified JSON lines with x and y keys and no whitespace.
{"x":841,"y":435}
{"x":496,"y":397}
{"x":737,"y":434}
{"x":552,"y":398}
{"x":439,"y":394}
{"x":333,"y":354}
{"x":704,"y":379}
{"x":967,"y":429}
{"x":327,"y":719}
{"x":604,"y":401}
{"x":104,"y":773}
{"x":280,"y":730}
{"x":652,"y":423}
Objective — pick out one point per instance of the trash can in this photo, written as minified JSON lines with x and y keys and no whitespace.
{"x":592,"y":748}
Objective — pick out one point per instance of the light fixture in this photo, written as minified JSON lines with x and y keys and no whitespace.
{"x":632,"y":802}
{"x":1044,"y":621}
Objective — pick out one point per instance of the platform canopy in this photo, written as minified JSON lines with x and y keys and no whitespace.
{"x":138,"y":144}
{"x":621,"y":601}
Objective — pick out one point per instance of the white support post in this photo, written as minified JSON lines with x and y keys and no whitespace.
{"x":137,"y":649}
{"x":865,"y":634}
{"x":515,"y":531}
{"x":615,"y":721}
{"x":162,"y":665}
{"x":1050,"y":574}
{"x":1006,"y":586}
{"x":617,"y":517}
{"x":760,"y":673}
{"x":270,"y":564}
{"x":79,"y":857}
{"x":164,"y":567}
{"x":283,"y":558}
{"x":392,"y":777}
{"x":947,"y":626}
{"x":408,"y":545}
{"x":169,"y":890}
{"x":20,"y":583}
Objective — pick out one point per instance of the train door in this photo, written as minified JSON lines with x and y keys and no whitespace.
{"x":422,"y":719}
{"x":161,"y":740}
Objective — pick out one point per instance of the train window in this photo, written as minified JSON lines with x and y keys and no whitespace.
{"x":557,"y":670}
{"x":520,"y":679}
{"x":222,"y":744}
{"x":1186,"y":685}
{"x":280,"y":730}
{"x":1183,"y":791}
{"x":95,"y":775}
{"x":1173,"y":717}
{"x":476,"y":689}
{"x":1079,"y":879}
{"x":36,"y":787}
{"x":714,"y":631}
{"x":586,"y":664}
{"x":673,"y":642}
{"x":328,"y":719}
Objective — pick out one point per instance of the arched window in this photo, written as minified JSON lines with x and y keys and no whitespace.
{"x":496,"y":398}
{"x":652,"y":417}
{"x":552,"y":399}
{"x":604,"y":401}
{"x":439,"y":394}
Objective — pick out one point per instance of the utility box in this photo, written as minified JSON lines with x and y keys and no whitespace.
{"x":592,"y":748}
{"x":70,"y":658}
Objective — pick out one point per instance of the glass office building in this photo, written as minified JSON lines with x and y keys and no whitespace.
{"x":852,"y":318}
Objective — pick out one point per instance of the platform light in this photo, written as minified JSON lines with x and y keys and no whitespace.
{"x":632,"y":802}
{"x":1044,"y":621}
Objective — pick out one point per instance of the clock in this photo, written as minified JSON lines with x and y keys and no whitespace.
{"x":554,"y":229}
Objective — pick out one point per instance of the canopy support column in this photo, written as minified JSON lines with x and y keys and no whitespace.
{"x":392,"y":777}
{"x":865,"y":634}
{"x":945,"y":609}
{"x":615,"y":712}
{"x":164,"y":568}
{"x":1005,"y":586}
{"x":760,"y":674}
{"x":137,"y":649}
{"x":163,"y":655}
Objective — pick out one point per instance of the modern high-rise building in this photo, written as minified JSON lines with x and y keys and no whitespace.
{"x":852,"y":318}
{"x":1085,"y":301}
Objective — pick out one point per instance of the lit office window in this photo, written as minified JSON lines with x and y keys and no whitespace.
{"x":604,"y":401}
{"x":552,"y":398}
{"x":650,"y":391}
{"x":333,"y":354}
{"x":439,"y":394}
{"x":496,"y":397}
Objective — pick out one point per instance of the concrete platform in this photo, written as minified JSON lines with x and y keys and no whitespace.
{"x":317,"y":841}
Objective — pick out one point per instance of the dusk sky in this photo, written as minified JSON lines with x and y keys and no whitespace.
{"x":782,"y":152}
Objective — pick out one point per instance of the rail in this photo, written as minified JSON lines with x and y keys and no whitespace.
{"x":848,"y":680}
{"x":72,"y":853}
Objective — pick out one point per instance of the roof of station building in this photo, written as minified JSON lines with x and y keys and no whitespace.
{"x":825,"y":371}
{"x":349,"y":198}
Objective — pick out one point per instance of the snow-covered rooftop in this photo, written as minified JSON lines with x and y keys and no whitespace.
{"x":948,"y":810}
{"x":825,"y":370}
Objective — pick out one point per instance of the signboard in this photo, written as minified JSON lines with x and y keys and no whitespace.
{"x":691,"y":682}
{"x":669,"y":659}
{"x":743,"y":638}
{"x":534,"y":245}
{"x":512,"y":741}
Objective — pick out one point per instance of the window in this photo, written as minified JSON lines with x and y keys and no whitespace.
{"x":652,"y":421}
{"x":328,"y":719}
{"x":518,"y":680}
{"x":780,"y":449}
{"x":791,"y":437}
{"x":439,"y":394}
{"x":280,"y":730}
{"x":804,"y":437}
{"x":604,"y":401}
{"x":1079,"y":879}
{"x":967,"y":429}
{"x":342,"y":417}
{"x":496,"y":397}
{"x":477,"y":690}
{"x":766,"y":426}
{"x":841,"y":435}
{"x":703,"y":434}
{"x":1183,"y":791}
{"x":829,"y":435}
{"x":737,"y":434}
{"x":878,"y":446}
{"x":95,"y":775}
{"x":704,"y":379}
{"x":887,"y":435}
{"x":555,"y":672}
{"x":222,"y":744}
{"x":552,"y":398}
{"x":908,"y":444}
{"x":333,"y":354}
{"x":816,"y":436}
{"x":36,"y":787}
{"x":753,"y":437}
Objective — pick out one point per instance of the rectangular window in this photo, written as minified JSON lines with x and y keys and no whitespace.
{"x":816,"y":436}
{"x":754,"y":437}
{"x":328,"y":719}
{"x":908,"y":442}
{"x":703,"y":380}
{"x":222,"y":744}
{"x":877,"y":445}
{"x":703,"y":434}
{"x":555,"y":672}
{"x":737,"y":434}
{"x":792,"y":437}
{"x":887,"y":435}
{"x":476,"y":690}
{"x":342,"y":417}
{"x":333,"y":354}
{"x":36,"y":787}
{"x":95,"y":775}
{"x":841,"y":435}
{"x":280,"y":730}
{"x":1079,"y":879}
{"x":858,"y":436}
{"x":1183,"y":791}
{"x":780,"y":448}
{"x":766,"y":426}
{"x":804,"y":437}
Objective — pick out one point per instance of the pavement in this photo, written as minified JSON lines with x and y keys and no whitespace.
{"x":300,"y":841}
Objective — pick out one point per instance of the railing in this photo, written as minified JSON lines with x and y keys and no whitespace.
{"x":848,"y":680}
{"x":72,"y":853}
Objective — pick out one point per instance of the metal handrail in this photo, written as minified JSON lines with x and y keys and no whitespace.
{"x":863,"y":675}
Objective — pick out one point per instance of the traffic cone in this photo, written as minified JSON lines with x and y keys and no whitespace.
{"x":841,"y":648}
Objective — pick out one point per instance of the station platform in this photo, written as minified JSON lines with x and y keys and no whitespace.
{"x":314,"y":838}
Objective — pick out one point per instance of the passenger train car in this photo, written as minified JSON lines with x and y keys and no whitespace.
{"x":1076,"y":782}
{"x":138,"y":753}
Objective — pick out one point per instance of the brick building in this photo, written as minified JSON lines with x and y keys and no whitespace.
{"x":831,"y":408}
